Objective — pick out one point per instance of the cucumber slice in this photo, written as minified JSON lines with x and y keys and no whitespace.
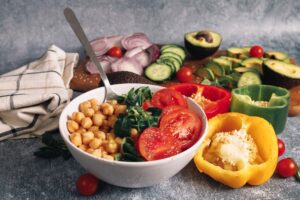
{"x":215,"y":68}
{"x":205,"y":73}
{"x":175,"y":61}
{"x":158,"y":72}
{"x":177,"y":50}
{"x":168,"y":62}
{"x":167,"y":46}
{"x":226,"y":64}
{"x":170,"y":54}
{"x":249,"y":78}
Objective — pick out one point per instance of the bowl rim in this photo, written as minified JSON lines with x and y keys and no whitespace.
{"x":64,"y":131}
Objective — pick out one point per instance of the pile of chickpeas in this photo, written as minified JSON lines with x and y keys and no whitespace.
{"x":91,"y":128}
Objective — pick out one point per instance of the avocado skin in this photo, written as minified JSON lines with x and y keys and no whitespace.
{"x":126,"y":77}
{"x":199,"y":52}
{"x":273,"y":78}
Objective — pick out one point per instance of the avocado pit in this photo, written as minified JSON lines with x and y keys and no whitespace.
{"x":204,"y":35}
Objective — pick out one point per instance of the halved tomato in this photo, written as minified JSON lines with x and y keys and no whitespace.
{"x":184,"y":125}
{"x":167,"y":110}
{"x":168,"y":97}
{"x":155,"y":143}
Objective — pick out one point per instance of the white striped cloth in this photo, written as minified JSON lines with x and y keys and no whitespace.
{"x":33,"y":96}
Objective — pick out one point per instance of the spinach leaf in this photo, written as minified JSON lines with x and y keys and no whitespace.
{"x":128,"y":152}
{"x":137,"y":118}
{"x":136,"y":97}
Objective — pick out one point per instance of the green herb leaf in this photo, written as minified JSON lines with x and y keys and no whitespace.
{"x":298,"y":174}
{"x":136,"y":97}
{"x":128,"y":151}
{"x":54,"y":147}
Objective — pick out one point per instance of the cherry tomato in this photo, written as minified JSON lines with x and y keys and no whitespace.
{"x":115,"y":52}
{"x":184,"y":125}
{"x":281,"y":147}
{"x":168,"y":97}
{"x":256,"y":51}
{"x":87,"y":184}
{"x":155,"y":143}
{"x":147,"y":104}
{"x":286,"y":167}
{"x":185,"y":74}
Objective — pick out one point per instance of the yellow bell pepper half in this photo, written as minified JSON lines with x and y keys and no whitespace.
{"x":265,"y":139}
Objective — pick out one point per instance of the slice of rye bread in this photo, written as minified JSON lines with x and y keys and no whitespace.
{"x":84,"y":81}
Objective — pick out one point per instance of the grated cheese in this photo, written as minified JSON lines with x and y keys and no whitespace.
{"x":232,"y":150}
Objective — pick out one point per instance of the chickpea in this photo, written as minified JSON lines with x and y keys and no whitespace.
{"x":111,"y":121}
{"x":72,"y":126}
{"x":111,"y":147}
{"x":107,"y":109}
{"x":85,"y":105}
{"x":90,"y":150}
{"x":96,"y":108}
{"x":77,"y":116}
{"x":94,"y":102}
{"x":95,"y":143}
{"x":100,"y":134}
{"x":97,"y":153}
{"x":86,"y":122}
{"x":87,"y":137}
{"x":94,"y":129}
{"x":76,"y":139}
{"x":120,"y":109}
{"x":102,"y":115}
{"x":110,"y":136}
{"x":112,"y":102}
{"x":98,"y":119}
{"x":134,"y":134}
{"x":88,"y":112}
{"x":107,"y":157}
{"x":81,"y":130}
{"x":118,"y":140}
{"x":83,"y":147}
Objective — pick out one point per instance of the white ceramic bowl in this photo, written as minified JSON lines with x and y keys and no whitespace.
{"x":129,"y":174}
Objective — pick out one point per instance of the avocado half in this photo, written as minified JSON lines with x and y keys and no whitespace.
{"x":281,"y":74}
{"x":201,"y":44}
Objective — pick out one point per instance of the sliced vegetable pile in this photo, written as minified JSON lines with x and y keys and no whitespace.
{"x":247,"y":65}
{"x":170,"y":61}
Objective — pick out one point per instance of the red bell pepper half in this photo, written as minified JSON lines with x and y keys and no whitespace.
{"x":212,"y":99}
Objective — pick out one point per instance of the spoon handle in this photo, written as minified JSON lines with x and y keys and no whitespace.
{"x":75,"y":25}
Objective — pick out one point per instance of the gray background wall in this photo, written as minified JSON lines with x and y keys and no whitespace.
{"x":28,"y":27}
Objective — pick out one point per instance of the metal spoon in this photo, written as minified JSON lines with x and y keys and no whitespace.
{"x":75,"y":25}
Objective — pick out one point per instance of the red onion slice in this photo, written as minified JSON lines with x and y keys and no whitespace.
{"x":154,"y":52}
{"x":132,"y":52}
{"x":102,"y":44}
{"x":136,"y":40}
{"x":92,"y":68}
{"x":127,"y":64}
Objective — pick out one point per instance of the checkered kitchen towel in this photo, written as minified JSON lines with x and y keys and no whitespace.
{"x":32,"y":96}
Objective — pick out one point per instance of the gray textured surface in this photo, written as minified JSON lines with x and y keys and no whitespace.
{"x":27,"y":28}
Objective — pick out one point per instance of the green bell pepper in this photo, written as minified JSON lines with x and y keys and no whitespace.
{"x":266,"y":101}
